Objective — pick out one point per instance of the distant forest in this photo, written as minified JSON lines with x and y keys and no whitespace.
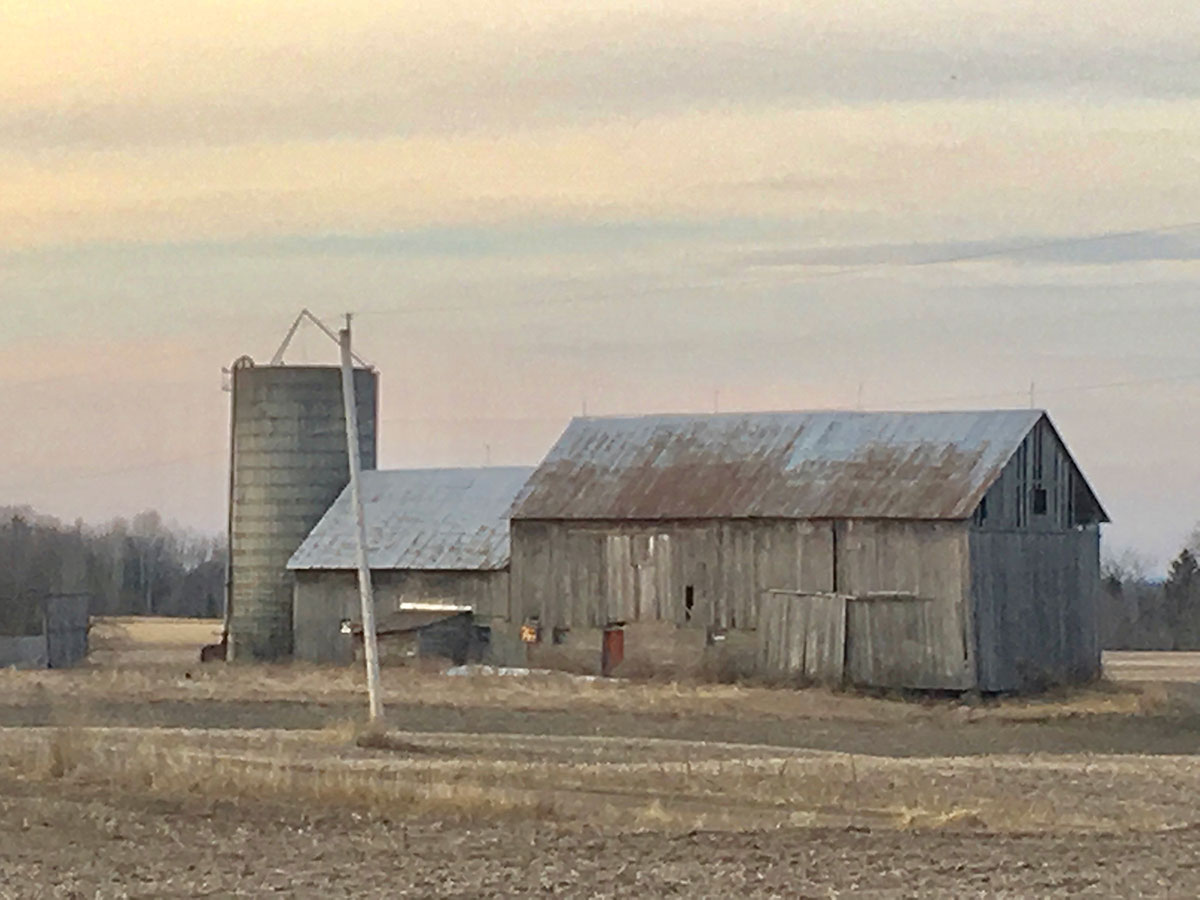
{"x":137,"y":567}
{"x":1139,"y":613}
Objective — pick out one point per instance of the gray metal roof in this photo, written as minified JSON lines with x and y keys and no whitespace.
{"x":794,"y":465}
{"x":420,"y":519}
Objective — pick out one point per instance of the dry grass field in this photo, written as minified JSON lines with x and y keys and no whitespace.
{"x":147,"y":774}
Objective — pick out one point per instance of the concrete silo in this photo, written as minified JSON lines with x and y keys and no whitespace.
{"x":288,"y":463}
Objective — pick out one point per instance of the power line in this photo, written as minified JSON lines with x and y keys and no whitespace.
{"x":548,"y":419}
{"x":1066,"y":389}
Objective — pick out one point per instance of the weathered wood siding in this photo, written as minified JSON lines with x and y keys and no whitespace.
{"x":323,"y":599}
{"x":1035,"y":607}
{"x":920,"y":635}
{"x":803,"y":636}
{"x":1040,"y":464}
{"x":588,"y":574}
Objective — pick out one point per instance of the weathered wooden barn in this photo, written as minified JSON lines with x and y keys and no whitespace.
{"x":436,"y":538}
{"x":955,"y":550}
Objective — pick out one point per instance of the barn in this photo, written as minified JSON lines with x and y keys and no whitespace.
{"x":437,"y":541}
{"x":924,"y":550}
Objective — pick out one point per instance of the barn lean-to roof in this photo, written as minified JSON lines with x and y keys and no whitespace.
{"x":790,"y":465}
{"x":432,"y":519}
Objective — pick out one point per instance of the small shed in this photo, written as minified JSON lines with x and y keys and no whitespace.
{"x":437,"y":538}
{"x":928,"y":550}
{"x":52,"y":633}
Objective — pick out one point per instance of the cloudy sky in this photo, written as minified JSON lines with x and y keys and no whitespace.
{"x":630,"y":205}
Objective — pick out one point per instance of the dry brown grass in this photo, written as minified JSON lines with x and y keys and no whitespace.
{"x":153,"y":660}
{"x":169,"y":766}
{"x":411,"y":687}
{"x":142,"y":659}
{"x":620,"y":783}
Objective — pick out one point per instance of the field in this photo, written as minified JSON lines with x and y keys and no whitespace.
{"x":147,"y":774}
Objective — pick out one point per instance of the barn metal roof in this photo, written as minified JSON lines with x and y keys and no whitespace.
{"x":420,"y":519}
{"x":795,"y":465}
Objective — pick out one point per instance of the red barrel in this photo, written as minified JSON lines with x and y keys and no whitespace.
{"x":612,"y":650}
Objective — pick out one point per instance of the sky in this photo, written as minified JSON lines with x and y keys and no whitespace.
{"x":617,"y":207}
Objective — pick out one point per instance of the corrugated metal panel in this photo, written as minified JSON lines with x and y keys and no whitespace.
{"x":795,"y":465}
{"x":421,"y":519}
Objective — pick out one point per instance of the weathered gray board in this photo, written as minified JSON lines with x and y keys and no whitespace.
{"x":803,"y":636}
{"x":66,"y":630}
{"x":910,"y":626}
{"x":323,"y":599}
{"x":1036,"y":616}
{"x":23,"y":651}
{"x":930,"y":596}
{"x":588,"y":574}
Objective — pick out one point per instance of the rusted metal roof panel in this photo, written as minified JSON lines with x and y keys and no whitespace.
{"x":454,"y":519}
{"x":795,"y":465}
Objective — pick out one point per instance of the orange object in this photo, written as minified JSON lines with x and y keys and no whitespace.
{"x":612,"y":651}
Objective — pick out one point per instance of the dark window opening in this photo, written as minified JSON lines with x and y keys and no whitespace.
{"x":559,"y":634}
{"x":1039,"y":501}
{"x":981,"y":512}
{"x":689,"y":602}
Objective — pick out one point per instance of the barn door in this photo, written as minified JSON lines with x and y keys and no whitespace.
{"x":635,"y":565}
{"x":803,"y":635}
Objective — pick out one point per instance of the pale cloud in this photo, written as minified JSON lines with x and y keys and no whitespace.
{"x":884,"y":171}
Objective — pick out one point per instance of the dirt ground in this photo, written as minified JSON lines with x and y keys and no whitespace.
{"x":73,"y":846}
{"x":145,"y":774}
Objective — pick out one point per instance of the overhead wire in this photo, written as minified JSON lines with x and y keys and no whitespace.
{"x":994,"y":252}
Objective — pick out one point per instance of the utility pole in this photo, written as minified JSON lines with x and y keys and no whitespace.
{"x":366,"y":595}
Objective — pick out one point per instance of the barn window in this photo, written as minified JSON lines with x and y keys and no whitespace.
{"x":559,"y":634}
{"x":1039,"y":501}
{"x":981,"y":512}
{"x":689,"y":601}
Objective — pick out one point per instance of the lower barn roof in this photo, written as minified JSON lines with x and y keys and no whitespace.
{"x":798,"y":465}
{"x":450,"y":519}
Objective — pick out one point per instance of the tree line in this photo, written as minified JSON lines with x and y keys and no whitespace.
{"x":1140,"y":613}
{"x":140,"y":566}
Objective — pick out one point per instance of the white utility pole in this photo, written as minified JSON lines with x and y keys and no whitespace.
{"x":366,"y":595}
